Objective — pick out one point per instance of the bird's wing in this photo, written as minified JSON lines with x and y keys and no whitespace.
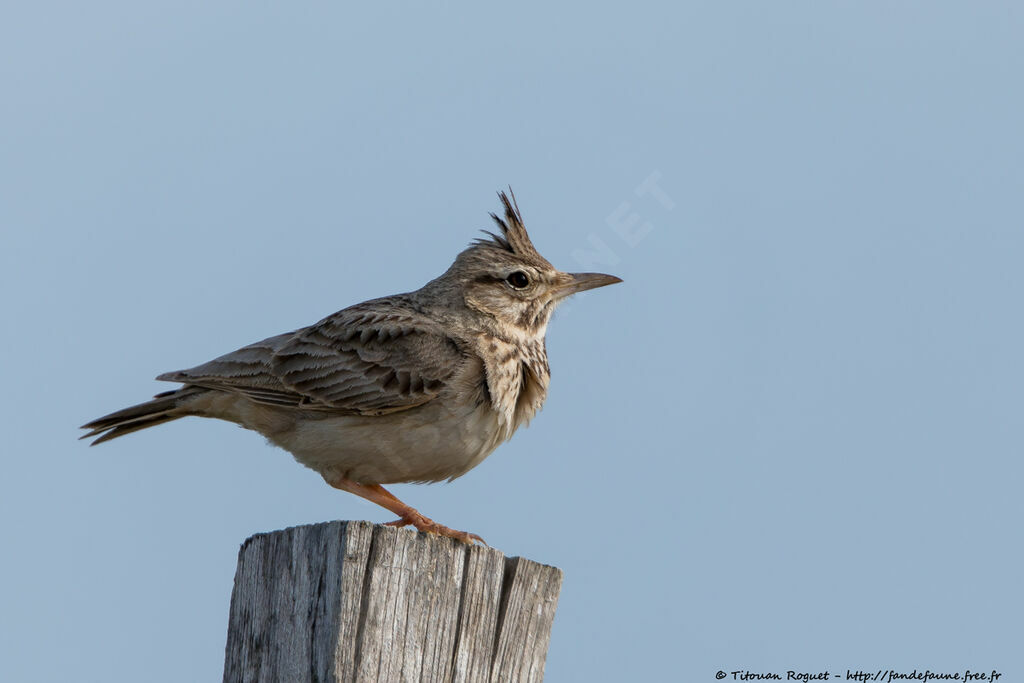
{"x":246,"y":371}
{"x":370,"y":359}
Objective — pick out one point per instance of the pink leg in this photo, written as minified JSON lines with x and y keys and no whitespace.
{"x":378,"y":494}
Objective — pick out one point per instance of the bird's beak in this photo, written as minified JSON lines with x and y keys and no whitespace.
{"x":581,"y":282}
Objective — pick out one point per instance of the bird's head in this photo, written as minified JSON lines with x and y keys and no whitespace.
{"x":503,"y":276}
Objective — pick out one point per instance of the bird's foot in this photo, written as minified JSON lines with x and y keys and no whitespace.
{"x":429,"y":526}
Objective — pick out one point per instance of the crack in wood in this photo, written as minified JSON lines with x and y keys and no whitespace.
{"x":349,"y":601}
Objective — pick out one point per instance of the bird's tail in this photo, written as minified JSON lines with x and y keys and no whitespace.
{"x":163,"y":408}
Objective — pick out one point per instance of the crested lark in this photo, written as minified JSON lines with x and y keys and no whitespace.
{"x":415,"y":387}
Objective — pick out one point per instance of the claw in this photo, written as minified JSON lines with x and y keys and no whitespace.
{"x":429,"y":526}
{"x":379,"y":495}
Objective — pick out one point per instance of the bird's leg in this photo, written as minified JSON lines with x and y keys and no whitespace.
{"x":375,"y":493}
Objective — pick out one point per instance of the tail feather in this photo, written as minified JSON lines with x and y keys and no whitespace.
{"x":163,"y":408}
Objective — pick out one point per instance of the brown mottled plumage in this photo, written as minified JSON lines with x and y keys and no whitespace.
{"x":412,"y":387}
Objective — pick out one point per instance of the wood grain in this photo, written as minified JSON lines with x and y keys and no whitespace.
{"x":350,"y":601}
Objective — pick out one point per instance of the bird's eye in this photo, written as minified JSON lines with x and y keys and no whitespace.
{"x":518,"y":279}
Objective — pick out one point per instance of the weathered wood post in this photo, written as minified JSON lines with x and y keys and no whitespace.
{"x":351,"y":601}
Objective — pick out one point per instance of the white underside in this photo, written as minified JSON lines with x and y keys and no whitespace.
{"x":429,"y":443}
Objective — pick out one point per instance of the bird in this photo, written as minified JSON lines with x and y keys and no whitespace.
{"x":415,"y":387}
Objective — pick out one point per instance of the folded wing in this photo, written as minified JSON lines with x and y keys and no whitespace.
{"x":370,"y":359}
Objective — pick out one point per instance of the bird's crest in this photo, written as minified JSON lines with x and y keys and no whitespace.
{"x":513,"y":237}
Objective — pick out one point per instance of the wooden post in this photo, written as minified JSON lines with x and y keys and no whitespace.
{"x":351,"y":601}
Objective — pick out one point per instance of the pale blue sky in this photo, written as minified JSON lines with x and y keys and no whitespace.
{"x":791,"y":439}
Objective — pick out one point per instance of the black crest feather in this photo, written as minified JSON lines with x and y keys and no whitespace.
{"x":513,"y":238}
